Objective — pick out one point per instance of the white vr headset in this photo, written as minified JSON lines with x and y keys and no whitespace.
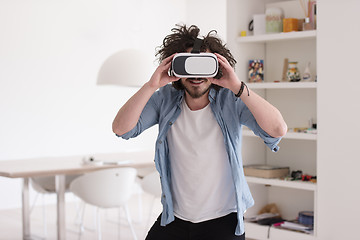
{"x":195,"y":64}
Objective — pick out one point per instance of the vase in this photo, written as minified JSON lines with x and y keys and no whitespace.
{"x":293,"y":74}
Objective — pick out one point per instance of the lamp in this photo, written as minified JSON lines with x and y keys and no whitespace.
{"x":128,"y":67}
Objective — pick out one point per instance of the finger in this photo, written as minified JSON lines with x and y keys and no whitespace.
{"x":225,"y":64}
{"x":221,"y":58}
{"x":168,"y":59}
{"x":173,"y":79}
{"x":167,"y":65}
{"x":164,"y":67}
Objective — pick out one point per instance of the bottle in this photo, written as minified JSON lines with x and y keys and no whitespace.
{"x":307,"y":73}
{"x":307,"y":25}
{"x":293,"y":74}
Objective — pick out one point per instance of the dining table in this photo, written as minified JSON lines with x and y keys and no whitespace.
{"x":60,"y":166}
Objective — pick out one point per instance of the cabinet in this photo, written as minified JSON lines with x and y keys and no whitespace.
{"x":297,"y":102}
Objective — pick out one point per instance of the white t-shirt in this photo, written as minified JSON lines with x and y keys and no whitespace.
{"x":201,"y":178}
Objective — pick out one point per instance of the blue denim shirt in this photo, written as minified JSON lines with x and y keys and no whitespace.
{"x":231,"y":113}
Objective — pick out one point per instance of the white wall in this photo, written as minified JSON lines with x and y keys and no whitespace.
{"x":338,"y":120}
{"x":50,"y":53}
{"x":208,"y":15}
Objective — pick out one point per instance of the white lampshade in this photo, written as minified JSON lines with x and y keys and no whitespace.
{"x":128,"y":67}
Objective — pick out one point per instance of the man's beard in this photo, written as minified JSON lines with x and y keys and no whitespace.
{"x":194,"y":92}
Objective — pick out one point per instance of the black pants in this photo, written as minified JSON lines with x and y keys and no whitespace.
{"x":222,"y":228}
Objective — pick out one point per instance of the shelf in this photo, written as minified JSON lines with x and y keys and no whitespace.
{"x":262,"y":232}
{"x":282,"y":85}
{"x":309,"y":186}
{"x":300,"y":136}
{"x":289,"y":135}
{"x":278,"y":37}
{"x":297,"y":102}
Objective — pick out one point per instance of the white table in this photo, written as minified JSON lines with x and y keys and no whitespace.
{"x":59,"y":167}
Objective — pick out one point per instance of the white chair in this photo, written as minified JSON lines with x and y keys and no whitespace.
{"x":151,"y":184}
{"x":46,"y":186}
{"x":138,"y":191}
{"x":141,"y":173}
{"x":110,"y":188}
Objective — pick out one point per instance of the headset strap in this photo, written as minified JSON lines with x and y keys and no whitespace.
{"x":197,"y":45}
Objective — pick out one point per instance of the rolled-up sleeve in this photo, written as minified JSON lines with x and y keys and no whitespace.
{"x":270,"y":141}
{"x":247,"y":119}
{"x":148,"y":118}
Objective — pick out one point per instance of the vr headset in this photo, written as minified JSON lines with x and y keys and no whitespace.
{"x":195,"y":64}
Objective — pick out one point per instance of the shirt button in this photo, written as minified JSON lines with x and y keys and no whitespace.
{"x":170,"y":123}
{"x":160,"y":142}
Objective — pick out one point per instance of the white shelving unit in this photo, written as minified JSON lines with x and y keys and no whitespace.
{"x":283,"y":183}
{"x":283,"y":85}
{"x":261,"y":232}
{"x":277,"y":37}
{"x":289,"y":135}
{"x":295,"y":100}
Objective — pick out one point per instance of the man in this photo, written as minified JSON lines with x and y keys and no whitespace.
{"x":198,"y":149}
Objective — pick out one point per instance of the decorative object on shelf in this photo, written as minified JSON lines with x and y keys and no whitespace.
{"x":266,"y":171}
{"x":293,"y":74}
{"x":294,"y":225}
{"x":300,"y":24}
{"x":256,"y":70}
{"x":290,"y":25}
{"x":274,"y":18}
{"x":307,"y":73}
{"x":308,"y":178}
{"x":306,"y":218}
{"x":308,"y":130}
{"x":259,"y":24}
{"x":296,"y":175}
{"x":312,"y":12}
{"x":268,"y":215}
{"x":307,"y":25}
{"x":285,"y":66}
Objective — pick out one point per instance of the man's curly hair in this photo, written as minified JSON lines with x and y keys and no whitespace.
{"x":184,"y":37}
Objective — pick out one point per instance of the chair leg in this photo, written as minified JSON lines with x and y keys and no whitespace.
{"x":129,"y":221}
{"x":79,"y":207}
{"x":119,"y":223}
{"x":44,"y":216}
{"x":34,"y":202}
{"x":98,"y":225}
{"x":140,"y":206}
{"x":81,"y":225}
{"x":147,"y":226}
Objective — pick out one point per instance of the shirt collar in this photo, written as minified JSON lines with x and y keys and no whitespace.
{"x":212,"y":94}
{"x":180,"y":97}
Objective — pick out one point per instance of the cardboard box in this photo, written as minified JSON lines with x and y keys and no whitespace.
{"x":266,"y":171}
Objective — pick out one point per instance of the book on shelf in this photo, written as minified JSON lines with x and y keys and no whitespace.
{"x":294,"y":226}
{"x":266,"y":171}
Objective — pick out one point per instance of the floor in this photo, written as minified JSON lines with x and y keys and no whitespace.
{"x":11,"y":228}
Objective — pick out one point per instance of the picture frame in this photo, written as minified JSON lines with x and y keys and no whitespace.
{"x":256,"y":70}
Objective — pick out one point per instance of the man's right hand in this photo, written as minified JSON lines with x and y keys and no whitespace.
{"x":161,"y":77}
